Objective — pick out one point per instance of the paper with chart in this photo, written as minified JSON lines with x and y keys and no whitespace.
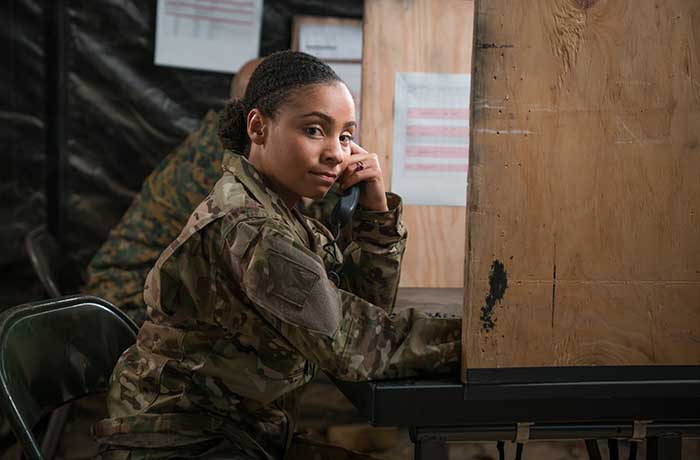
{"x":431,"y":138}
{"x":218,"y":35}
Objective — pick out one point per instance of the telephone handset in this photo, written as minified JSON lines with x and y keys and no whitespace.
{"x":340,"y":218}
{"x":345,"y":207}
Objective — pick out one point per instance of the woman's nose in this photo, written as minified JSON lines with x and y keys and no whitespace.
{"x":334,"y":153}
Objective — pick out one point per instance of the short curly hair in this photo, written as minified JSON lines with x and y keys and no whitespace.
{"x":273,"y":82}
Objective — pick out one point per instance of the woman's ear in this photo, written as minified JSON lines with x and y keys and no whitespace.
{"x":257,"y":127}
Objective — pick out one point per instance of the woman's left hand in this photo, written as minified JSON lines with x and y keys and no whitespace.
{"x":363,"y":166}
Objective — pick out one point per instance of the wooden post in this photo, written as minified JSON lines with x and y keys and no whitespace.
{"x":584,"y":192}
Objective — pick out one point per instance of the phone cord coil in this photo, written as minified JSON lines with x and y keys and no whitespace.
{"x":331,"y":248}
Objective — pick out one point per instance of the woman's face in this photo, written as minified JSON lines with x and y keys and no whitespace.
{"x":303,"y":147}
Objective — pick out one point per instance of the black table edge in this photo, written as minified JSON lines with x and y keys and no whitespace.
{"x":659,"y":393}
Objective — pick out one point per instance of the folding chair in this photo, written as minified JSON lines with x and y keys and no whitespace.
{"x":59,"y":276}
{"x":55,"y":351}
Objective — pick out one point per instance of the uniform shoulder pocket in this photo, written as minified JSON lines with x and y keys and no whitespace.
{"x":290,"y":283}
{"x":293,"y":282}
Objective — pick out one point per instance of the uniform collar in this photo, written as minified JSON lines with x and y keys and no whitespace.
{"x":244,"y":171}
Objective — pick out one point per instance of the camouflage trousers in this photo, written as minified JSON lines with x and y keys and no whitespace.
{"x":301,"y":448}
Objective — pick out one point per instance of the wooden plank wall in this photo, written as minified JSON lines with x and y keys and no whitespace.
{"x":584,"y":198}
{"x":416,"y":36}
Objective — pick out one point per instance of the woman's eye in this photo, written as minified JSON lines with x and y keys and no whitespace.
{"x":313,"y":131}
{"x":346,"y":138}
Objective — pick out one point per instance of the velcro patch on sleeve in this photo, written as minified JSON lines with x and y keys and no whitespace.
{"x":291,"y":284}
{"x":291,"y":281}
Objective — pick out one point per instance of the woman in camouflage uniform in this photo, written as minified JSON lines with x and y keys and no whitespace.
{"x":241,"y":310}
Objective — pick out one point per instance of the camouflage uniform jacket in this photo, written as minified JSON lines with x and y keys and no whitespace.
{"x":168,"y":196}
{"x":242,"y":313}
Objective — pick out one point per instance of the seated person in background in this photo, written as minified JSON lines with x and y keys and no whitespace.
{"x":168,"y":196}
{"x":241,"y":311}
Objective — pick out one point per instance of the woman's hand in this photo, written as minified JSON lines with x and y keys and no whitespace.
{"x":363,"y":166}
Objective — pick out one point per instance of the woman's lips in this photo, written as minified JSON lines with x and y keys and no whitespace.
{"x":327,"y":177}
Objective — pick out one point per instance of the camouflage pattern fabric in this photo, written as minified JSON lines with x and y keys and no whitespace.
{"x":168,"y":196}
{"x":242,"y":315}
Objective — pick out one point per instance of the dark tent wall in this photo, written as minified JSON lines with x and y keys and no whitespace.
{"x":22,"y":147}
{"x":122,"y":115}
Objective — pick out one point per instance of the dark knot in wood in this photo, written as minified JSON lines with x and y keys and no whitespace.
{"x":585,"y":4}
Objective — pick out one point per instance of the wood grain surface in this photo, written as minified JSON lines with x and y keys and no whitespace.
{"x":584,"y":187}
{"x":416,"y":36}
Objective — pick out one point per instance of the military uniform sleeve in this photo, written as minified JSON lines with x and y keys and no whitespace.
{"x":347,"y":336}
{"x":373,"y":257}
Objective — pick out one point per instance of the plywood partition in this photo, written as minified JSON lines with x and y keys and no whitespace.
{"x":416,"y":36}
{"x":584,"y":199}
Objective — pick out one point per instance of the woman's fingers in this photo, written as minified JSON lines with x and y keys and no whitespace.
{"x":365,"y":158}
{"x":357,"y":177}
{"x":369,"y":172}
{"x":363,"y":166}
{"x":355,"y":149}
{"x":359,"y":162}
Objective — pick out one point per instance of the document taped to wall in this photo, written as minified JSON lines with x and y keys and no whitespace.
{"x":338,"y":42}
{"x":431,"y":138}
{"x":216,"y":35}
{"x":330,"y":38}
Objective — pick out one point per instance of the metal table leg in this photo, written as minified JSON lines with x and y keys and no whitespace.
{"x":613,"y":449}
{"x":430,"y":450}
{"x":428,"y":445}
{"x":593,"y":449}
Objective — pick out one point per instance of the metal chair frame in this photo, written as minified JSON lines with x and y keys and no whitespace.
{"x":55,"y":351}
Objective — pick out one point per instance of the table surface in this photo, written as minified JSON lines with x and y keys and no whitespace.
{"x":448,"y":300}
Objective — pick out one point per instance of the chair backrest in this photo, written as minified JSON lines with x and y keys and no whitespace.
{"x":54,"y":351}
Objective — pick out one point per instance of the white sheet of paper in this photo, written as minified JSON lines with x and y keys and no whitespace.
{"x":332,"y":41}
{"x":351,"y":73}
{"x":218,"y":35}
{"x":431,"y":138}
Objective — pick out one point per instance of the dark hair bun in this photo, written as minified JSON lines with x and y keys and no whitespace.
{"x":233,"y":129}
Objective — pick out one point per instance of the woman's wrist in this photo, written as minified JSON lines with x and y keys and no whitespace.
{"x":376,"y":204}
{"x":393,"y":205}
